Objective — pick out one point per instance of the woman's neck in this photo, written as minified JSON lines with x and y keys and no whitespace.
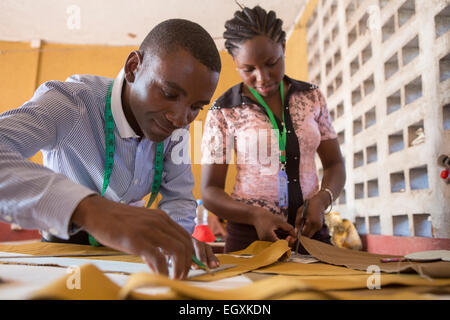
{"x":273,"y":101}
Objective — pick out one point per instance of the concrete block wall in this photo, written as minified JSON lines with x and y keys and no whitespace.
{"x":384,"y":67}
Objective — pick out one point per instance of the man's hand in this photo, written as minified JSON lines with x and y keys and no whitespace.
{"x":266,"y":223}
{"x":205,"y":254}
{"x":151,"y":234}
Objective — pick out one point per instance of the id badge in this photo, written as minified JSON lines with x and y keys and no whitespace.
{"x":282,"y":189}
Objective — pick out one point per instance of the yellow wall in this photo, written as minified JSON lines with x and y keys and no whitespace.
{"x":18,"y":66}
{"x":297,"y":48}
{"x":18,"y":70}
{"x":23,"y":69}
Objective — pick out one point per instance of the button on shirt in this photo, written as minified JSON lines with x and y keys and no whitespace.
{"x":65,"y":120}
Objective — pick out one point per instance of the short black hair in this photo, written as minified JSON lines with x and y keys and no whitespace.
{"x":190,"y":36}
{"x":249,"y":23}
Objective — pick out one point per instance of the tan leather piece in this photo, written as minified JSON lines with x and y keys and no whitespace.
{"x":50,"y":248}
{"x":274,"y":252}
{"x":360,"y":260}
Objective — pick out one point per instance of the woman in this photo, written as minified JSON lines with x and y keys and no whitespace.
{"x":263,"y":205}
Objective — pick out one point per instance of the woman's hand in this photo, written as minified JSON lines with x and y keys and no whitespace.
{"x":216,"y":226}
{"x":313,"y":221}
{"x":266,"y":223}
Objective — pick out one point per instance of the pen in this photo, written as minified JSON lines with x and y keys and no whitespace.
{"x":393,"y":259}
{"x":200,"y":264}
{"x":299,"y":233}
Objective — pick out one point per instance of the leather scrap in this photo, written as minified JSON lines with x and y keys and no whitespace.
{"x":359,"y":260}
{"x":96,"y":286}
{"x":276,"y":251}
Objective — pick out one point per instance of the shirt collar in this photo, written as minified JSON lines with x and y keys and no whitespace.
{"x":125,"y":130}
{"x":234,"y":97}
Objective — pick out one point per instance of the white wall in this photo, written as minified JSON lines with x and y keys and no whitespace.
{"x":119,"y":22}
{"x":401,"y":192}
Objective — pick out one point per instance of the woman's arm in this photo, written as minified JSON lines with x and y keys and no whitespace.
{"x":333,"y":168}
{"x":220,"y":203}
{"x":333,"y":179}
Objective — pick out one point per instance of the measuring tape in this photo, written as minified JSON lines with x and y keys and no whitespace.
{"x":109,"y":158}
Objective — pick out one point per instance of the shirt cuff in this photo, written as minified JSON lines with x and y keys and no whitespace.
{"x":184,"y":216}
{"x":54,"y":211}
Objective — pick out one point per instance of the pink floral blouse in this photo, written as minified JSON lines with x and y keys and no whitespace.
{"x":236,"y":124}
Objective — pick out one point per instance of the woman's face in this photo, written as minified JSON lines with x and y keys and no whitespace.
{"x":260,"y":63}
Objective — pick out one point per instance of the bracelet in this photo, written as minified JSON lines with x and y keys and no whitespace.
{"x":331,"y":197}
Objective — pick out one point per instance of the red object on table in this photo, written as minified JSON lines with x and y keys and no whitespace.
{"x":444,"y":174}
{"x":203,"y":233}
{"x":6,"y":234}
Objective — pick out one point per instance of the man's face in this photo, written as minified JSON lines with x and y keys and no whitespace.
{"x":167,"y":92}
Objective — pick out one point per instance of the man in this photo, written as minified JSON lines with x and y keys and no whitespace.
{"x":161,"y":88}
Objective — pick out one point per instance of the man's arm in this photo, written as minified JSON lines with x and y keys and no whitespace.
{"x":31,"y":195}
{"x":35,"y":197}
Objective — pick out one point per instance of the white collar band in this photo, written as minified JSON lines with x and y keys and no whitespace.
{"x":120,"y":120}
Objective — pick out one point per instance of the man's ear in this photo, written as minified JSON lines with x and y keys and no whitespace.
{"x":283,"y":45}
{"x":132,"y":65}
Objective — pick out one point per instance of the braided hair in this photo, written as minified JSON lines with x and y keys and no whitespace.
{"x":249,"y":23}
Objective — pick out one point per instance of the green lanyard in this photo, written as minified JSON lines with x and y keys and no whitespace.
{"x":109,"y":140}
{"x":109,"y":158}
{"x":159,"y":158}
{"x":282,"y":136}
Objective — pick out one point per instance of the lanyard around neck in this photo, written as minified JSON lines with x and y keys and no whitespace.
{"x":109,"y":140}
{"x":109,"y":158}
{"x":110,"y":150}
{"x":282,"y":135}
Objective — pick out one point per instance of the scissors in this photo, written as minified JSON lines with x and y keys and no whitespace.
{"x":302,"y":221}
